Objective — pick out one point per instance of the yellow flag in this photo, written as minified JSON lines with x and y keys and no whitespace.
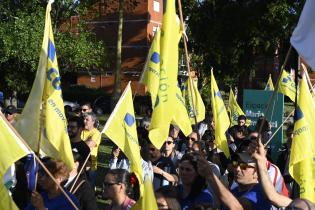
{"x":121,"y":128}
{"x":164,"y":104}
{"x":235,"y":110}
{"x":302,"y":158}
{"x":287,"y":85}
{"x":43,"y":115}
{"x":151,"y":72}
{"x":11,"y":150}
{"x":147,"y":201}
{"x":151,"y":78}
{"x":269,"y":86}
{"x":193,"y":100}
{"x":220,"y":117}
{"x":181,"y":118}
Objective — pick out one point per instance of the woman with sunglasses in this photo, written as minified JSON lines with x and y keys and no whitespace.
{"x":169,"y":150}
{"x":116,"y":188}
{"x":193,"y":189}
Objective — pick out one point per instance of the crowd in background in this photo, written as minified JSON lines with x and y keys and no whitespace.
{"x":187,"y":172}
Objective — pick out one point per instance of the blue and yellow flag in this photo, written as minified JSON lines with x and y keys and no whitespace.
{"x":121,"y":128}
{"x":235,"y":110}
{"x":302,"y":158}
{"x":11,"y":150}
{"x":220,"y":117}
{"x":43,"y":116}
{"x":287,"y":85}
{"x":151,"y":72}
{"x":269,"y":86}
{"x":194,"y":104}
{"x":164,"y":104}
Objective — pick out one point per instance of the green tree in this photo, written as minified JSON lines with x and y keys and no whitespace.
{"x":231,"y":36}
{"x":21,"y":33}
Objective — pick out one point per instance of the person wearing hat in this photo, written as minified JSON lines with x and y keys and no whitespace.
{"x":249,"y":191}
{"x":10,"y":113}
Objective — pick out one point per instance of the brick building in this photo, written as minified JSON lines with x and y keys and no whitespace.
{"x":141,"y":19}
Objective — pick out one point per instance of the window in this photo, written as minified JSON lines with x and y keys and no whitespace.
{"x":156,"y":6}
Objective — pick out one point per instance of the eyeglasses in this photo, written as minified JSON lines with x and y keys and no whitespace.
{"x":169,"y":142}
{"x":242,"y":166}
{"x":109,"y":184}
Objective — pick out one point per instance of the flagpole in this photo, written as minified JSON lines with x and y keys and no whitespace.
{"x":286,"y":119}
{"x":40,"y":162}
{"x":83,"y":167}
{"x":187,"y":59}
{"x":266,"y":111}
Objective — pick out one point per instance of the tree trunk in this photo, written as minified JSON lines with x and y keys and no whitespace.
{"x":117,"y":85}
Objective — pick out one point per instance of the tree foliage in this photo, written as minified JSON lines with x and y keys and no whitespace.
{"x":21,"y":34}
{"x":229,"y":35}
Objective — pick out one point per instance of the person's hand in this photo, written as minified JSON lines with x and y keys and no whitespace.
{"x":258,"y":152}
{"x":37,"y":200}
{"x":116,"y":153}
{"x":204,"y":168}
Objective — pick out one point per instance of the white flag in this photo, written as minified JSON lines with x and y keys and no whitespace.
{"x":303,"y":37}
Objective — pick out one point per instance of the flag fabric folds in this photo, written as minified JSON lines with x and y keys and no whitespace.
{"x":235,"y":110}
{"x":287,"y":85}
{"x":302,"y":157}
{"x":122,"y":130}
{"x":43,"y":116}
{"x":302,"y":38}
{"x":167,"y":59}
{"x":180,"y":117}
{"x":269,"y":86}
{"x":220,"y":117}
{"x":194,"y":104}
{"x":11,"y":150}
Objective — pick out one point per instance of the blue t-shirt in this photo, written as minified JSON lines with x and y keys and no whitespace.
{"x":255,"y":196}
{"x":204,"y":197}
{"x":58,"y":203}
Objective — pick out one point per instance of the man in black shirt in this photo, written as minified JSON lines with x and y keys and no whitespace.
{"x":75,"y":126}
{"x":163,"y":168}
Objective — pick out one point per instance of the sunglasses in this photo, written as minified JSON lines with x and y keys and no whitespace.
{"x":84,"y":110}
{"x":169,"y":142}
{"x":242,"y":166}
{"x":193,"y":139}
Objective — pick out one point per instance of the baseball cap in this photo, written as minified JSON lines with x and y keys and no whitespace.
{"x":245,"y":157}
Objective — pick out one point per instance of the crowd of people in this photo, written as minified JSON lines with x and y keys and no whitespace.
{"x":187,"y":172}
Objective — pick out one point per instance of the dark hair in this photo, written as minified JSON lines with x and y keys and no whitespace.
{"x":241,"y":117}
{"x":202,"y":206}
{"x":262,"y":121}
{"x":171,"y":195}
{"x":78,"y":120}
{"x":121,"y":176}
{"x":87,"y":104}
{"x":208,"y":135}
{"x":199,"y":183}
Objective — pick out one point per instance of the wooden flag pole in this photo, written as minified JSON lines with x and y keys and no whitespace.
{"x":187,"y":58}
